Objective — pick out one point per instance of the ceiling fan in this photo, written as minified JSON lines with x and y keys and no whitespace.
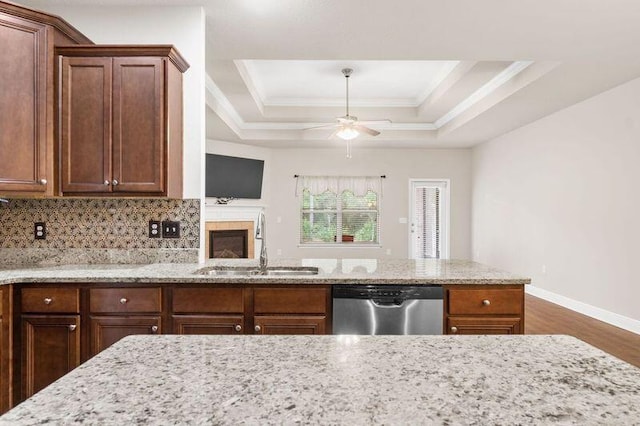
{"x":348,"y":127}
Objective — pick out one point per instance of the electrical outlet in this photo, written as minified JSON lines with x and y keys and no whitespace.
{"x":154,"y":229}
{"x":40,"y":231}
{"x":170,"y":229}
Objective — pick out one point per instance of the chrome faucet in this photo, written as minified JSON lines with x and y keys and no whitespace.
{"x":2,"y":200}
{"x":261,"y":234}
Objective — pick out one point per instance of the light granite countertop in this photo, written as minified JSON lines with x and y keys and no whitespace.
{"x":332,"y":271}
{"x":453,"y":380}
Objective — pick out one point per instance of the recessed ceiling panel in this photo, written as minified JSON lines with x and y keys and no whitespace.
{"x":321,"y":83}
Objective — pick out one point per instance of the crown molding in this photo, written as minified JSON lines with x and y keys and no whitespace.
{"x":489,"y":87}
{"x":221,"y":105}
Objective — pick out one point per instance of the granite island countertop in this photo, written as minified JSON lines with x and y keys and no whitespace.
{"x":331,"y":271}
{"x":342,"y":380}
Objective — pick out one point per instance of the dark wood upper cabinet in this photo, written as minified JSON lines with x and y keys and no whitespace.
{"x":86,"y":92}
{"x":27,"y":40}
{"x":121,"y":120}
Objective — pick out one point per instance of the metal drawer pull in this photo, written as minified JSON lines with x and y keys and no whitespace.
{"x":486,"y":302}
{"x":154,"y":329}
{"x":72,"y":327}
{"x":454,"y":329}
{"x":48,"y":300}
{"x":257,"y":328}
{"x":115,"y":182}
{"x":238,"y":327}
{"x":43,"y":181}
{"x":123,"y":300}
{"x":106,"y":183}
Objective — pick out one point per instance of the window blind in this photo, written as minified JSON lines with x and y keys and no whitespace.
{"x":427,"y":214}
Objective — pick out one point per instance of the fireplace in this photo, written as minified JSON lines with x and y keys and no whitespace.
{"x":229,"y":244}
{"x":229,"y":239}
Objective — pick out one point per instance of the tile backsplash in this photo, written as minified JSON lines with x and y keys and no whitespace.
{"x":97,"y":231}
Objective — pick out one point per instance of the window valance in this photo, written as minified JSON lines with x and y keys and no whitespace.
{"x":359,"y":185}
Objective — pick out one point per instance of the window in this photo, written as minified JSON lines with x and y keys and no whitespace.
{"x":345,"y":218}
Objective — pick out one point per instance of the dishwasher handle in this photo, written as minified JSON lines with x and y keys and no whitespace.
{"x":395,"y":303}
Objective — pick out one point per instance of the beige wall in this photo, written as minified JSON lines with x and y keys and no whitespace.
{"x":399,"y":165}
{"x":558,"y":200}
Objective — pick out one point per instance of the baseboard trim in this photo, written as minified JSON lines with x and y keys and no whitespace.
{"x":612,"y":318}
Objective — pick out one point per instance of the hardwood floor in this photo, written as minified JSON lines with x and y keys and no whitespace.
{"x":542,"y":317}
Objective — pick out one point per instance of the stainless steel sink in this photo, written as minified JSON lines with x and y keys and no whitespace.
{"x":252,"y":270}
{"x":292,"y":270}
{"x":229,"y":270}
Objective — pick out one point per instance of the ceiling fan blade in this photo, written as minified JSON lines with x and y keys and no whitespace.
{"x":364,"y":129}
{"x":324,"y":126}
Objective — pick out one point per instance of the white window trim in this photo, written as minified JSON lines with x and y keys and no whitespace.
{"x":446,"y":215}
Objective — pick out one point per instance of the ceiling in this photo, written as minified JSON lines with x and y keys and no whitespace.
{"x":448,"y":73}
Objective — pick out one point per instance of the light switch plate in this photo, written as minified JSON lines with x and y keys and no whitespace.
{"x":170,"y":229}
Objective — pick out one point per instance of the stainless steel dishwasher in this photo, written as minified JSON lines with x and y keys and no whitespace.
{"x":387,"y":309}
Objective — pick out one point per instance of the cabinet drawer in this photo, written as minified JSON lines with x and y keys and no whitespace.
{"x":483,"y":325}
{"x":290,"y":300}
{"x":485,"y":301}
{"x":208,"y":300}
{"x":125,"y":300}
{"x":51,"y":300}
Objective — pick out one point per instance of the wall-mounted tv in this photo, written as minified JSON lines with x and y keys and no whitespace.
{"x":233,"y":177}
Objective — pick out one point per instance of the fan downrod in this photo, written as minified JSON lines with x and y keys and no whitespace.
{"x":347,"y":72}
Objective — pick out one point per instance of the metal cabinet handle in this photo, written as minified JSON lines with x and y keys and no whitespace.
{"x":238,"y":327}
{"x":72,"y":327}
{"x":123,"y":300}
{"x":454,"y":329}
{"x":154,"y":329}
{"x":43,"y":181}
{"x":486,"y":302}
{"x":257,"y":328}
{"x":106,"y":183}
{"x":115,"y":182}
{"x":48,"y":300}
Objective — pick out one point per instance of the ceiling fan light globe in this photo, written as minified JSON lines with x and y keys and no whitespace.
{"x":347,"y":133}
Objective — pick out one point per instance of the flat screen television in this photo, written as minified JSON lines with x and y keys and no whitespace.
{"x":233,"y":177}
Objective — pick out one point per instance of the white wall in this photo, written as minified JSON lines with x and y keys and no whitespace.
{"x":183,"y":27}
{"x":558,"y":200}
{"x":399,"y":165}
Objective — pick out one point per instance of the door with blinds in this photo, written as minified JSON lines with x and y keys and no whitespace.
{"x":428,"y":230}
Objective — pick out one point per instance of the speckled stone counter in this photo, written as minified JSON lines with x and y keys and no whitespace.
{"x":342,"y":380}
{"x":332,"y":271}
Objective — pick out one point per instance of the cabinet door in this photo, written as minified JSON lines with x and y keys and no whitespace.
{"x":106,"y":330}
{"x":483,"y":325}
{"x":50,"y":349}
{"x":290,"y":324}
{"x":138,"y":125}
{"x":86,"y":125}
{"x":23,"y":121}
{"x":208,"y":324}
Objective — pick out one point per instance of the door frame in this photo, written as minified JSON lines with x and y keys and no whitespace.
{"x":445,"y":214}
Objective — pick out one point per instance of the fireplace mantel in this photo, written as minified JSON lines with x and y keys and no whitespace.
{"x":219,"y":216}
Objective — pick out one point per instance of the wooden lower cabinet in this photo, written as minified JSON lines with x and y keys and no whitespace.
{"x":50,"y":349}
{"x":208,"y":324}
{"x":290,"y":324}
{"x":489,"y":325}
{"x":484,"y":309}
{"x":251,"y":310}
{"x":106,"y":330}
